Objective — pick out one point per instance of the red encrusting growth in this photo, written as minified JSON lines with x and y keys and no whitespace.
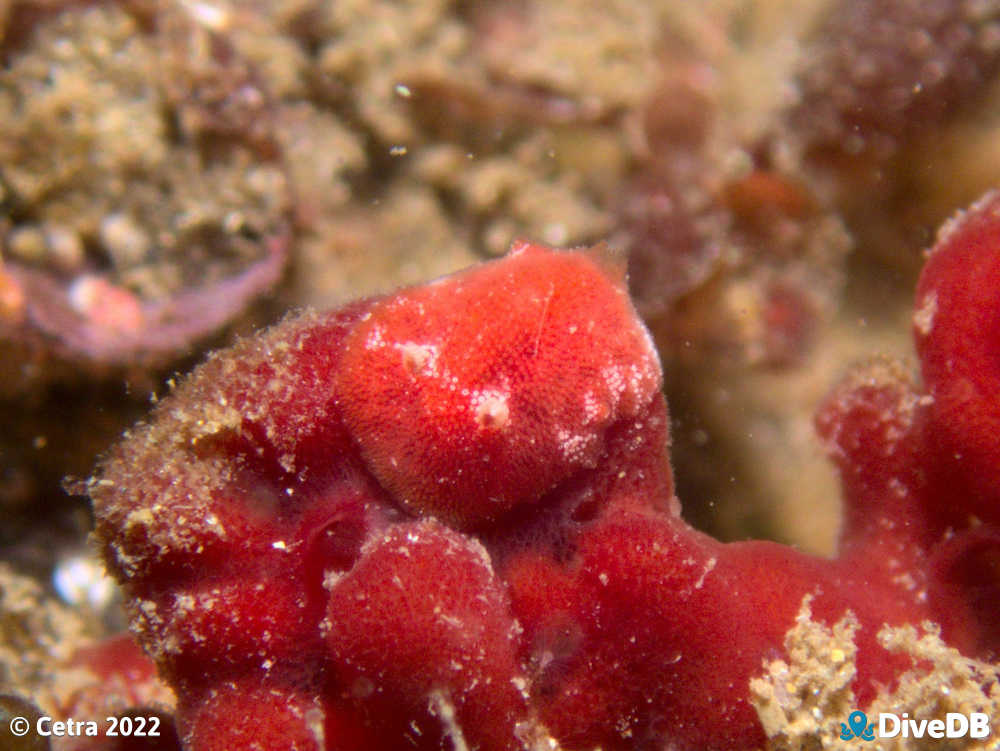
{"x":112,"y":678}
{"x":957,"y":327}
{"x":453,"y":430}
{"x":459,"y":655}
{"x":444,"y":519}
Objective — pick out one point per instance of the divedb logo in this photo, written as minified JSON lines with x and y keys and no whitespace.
{"x":954,"y":725}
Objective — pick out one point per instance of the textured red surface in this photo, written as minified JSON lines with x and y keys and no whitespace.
{"x":445,"y":519}
{"x":957,"y":330}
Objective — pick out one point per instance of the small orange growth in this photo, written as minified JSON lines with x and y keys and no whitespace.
{"x":106,"y":305}
{"x":763,"y":194}
{"x":12,"y":300}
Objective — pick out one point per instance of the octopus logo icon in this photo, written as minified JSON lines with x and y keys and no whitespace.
{"x":859,"y":727}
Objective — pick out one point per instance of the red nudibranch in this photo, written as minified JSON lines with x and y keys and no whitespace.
{"x":444,"y":519}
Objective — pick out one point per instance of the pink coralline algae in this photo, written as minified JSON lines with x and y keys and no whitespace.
{"x":92,"y":319}
{"x":877,"y":73}
{"x":445,"y":519}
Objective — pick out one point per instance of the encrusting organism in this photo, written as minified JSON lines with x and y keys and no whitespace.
{"x":445,"y":519}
